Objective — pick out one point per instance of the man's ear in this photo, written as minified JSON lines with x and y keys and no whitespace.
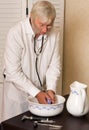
{"x":31,"y":17}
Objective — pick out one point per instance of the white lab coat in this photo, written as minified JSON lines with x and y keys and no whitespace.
{"x":19,"y":66}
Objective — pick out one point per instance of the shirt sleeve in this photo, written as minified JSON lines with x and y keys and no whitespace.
{"x":53,"y":71}
{"x":13,"y":69}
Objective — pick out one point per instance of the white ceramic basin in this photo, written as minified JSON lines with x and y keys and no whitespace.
{"x":46,"y":110}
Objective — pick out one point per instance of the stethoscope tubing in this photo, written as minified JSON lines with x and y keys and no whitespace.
{"x":36,"y":61}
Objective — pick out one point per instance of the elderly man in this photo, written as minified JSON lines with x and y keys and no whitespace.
{"x":31,"y":61}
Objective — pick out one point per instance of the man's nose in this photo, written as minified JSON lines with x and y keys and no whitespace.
{"x":45,"y":29}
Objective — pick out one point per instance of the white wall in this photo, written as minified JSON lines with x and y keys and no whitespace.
{"x":76,"y":45}
{"x":0,"y":98}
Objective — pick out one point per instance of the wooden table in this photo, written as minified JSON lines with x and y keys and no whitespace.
{"x":68,"y":122}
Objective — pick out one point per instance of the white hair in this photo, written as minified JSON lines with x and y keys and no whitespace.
{"x":44,"y":10}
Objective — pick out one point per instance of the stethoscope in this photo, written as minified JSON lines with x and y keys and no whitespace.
{"x":36,"y":61}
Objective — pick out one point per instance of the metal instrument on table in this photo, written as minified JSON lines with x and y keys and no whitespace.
{"x":39,"y":119}
{"x":51,"y":126}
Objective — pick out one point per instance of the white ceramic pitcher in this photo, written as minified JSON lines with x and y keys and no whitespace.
{"x":77,"y":102}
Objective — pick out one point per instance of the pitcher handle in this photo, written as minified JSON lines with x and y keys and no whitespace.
{"x":83,"y":99}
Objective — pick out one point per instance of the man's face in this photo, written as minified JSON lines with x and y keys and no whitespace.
{"x":40,"y":27}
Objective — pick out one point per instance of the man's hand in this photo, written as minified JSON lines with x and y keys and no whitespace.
{"x":52,"y":96}
{"x":42,"y":97}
